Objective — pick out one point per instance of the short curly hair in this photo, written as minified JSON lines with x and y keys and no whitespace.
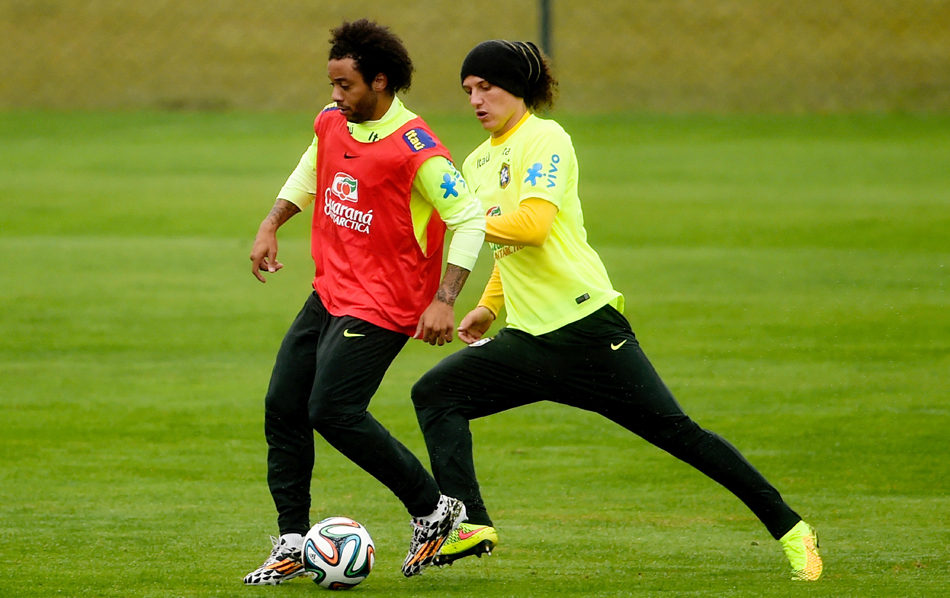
{"x":374,"y":50}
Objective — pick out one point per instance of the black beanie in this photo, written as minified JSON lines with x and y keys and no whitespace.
{"x":512,"y":66}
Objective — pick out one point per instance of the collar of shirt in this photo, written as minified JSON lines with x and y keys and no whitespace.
{"x":495,"y":141}
{"x":374,"y":130}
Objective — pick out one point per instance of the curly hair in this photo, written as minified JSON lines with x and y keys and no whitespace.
{"x":542,"y":93}
{"x":374,"y":49}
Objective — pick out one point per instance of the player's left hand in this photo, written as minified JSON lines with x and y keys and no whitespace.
{"x":436,"y":324}
{"x":475,"y":324}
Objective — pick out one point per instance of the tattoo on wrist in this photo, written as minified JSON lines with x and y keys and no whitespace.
{"x":452,"y":284}
{"x":281,"y":212}
{"x":444,"y":298}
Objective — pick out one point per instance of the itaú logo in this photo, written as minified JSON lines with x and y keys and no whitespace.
{"x":344,"y":187}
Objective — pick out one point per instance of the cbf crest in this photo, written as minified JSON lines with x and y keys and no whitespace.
{"x":504,"y":175}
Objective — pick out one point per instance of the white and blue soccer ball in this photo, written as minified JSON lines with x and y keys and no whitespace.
{"x":338,"y":553}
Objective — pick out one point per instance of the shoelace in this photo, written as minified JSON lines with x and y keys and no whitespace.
{"x":279,"y":552}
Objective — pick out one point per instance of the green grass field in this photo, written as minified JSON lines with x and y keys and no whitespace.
{"x":788,"y":276}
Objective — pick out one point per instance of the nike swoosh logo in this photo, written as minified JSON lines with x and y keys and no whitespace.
{"x":618,"y":345}
{"x":467,"y":535}
{"x":348,"y":156}
{"x":349,"y":334}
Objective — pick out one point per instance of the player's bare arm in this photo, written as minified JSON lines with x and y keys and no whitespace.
{"x":438,"y":320}
{"x":452,"y":283}
{"x":264,"y":252}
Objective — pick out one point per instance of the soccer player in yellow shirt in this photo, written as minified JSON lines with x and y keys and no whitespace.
{"x":566,"y":339}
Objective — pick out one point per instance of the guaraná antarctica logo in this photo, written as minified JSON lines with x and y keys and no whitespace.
{"x":345,"y":188}
{"x":500,"y":251}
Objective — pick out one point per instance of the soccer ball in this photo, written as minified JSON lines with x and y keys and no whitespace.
{"x":339,"y":553}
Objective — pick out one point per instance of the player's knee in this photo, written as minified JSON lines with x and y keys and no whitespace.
{"x":277,"y":408}
{"x":425,"y":392}
{"x":327,"y":421}
{"x":674,"y":432}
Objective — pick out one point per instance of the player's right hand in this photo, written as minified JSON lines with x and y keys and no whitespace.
{"x":264,"y":255}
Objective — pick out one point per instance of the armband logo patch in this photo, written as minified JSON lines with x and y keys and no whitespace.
{"x":418,"y":140}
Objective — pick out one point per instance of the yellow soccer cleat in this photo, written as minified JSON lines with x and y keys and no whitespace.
{"x":469,"y":539}
{"x":801,"y":548}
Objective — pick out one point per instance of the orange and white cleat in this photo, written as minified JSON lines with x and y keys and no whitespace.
{"x":285,"y":562}
{"x":429,"y":534}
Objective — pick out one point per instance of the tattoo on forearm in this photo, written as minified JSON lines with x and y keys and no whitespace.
{"x":452,"y":284}
{"x":281,"y":212}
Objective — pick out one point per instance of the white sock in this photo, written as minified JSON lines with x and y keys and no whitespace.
{"x":437,"y":513}
{"x":294,"y":540}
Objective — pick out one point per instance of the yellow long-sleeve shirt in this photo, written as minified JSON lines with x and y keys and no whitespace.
{"x":546,"y":274}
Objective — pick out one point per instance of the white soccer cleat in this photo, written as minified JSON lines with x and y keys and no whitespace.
{"x":429,"y":534}
{"x":285,"y":562}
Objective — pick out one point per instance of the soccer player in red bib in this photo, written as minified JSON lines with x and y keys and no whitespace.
{"x":566,"y":339}
{"x":383,"y":190}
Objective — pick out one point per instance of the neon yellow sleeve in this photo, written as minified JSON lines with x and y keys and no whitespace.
{"x":529,"y":225}
{"x":493,"y":297}
{"x":302,"y":183}
{"x":442,"y":187}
